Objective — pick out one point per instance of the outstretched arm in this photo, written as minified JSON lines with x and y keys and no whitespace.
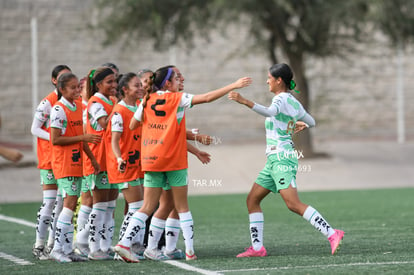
{"x":213,"y":95}
{"x":240,"y":99}
{"x":204,"y":157}
{"x":203,"y":139}
{"x":272,"y":110}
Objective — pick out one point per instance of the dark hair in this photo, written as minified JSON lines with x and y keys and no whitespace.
{"x":283,"y":71}
{"x":123,"y":82}
{"x":94,"y":77}
{"x":57,"y":69}
{"x":110,"y":65}
{"x":161,"y":75}
{"x":144,"y":71}
{"x":62,"y":81}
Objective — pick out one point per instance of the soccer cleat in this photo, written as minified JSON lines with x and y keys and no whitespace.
{"x":336,"y":240}
{"x":176,"y":254}
{"x":59,"y":256}
{"x":82,"y":249}
{"x":118,"y":258}
{"x":189,"y":256}
{"x":155,"y":254}
{"x":40,"y":253}
{"x":250,"y":252}
{"x":48,"y":249}
{"x":99,"y":256}
{"x":138,"y":251}
{"x":76,"y":257}
{"x":126,"y":253}
{"x":110,"y":251}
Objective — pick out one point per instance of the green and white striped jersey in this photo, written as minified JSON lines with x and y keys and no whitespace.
{"x":281,"y":117}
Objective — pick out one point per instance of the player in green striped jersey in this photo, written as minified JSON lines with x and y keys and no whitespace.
{"x":284,"y":117}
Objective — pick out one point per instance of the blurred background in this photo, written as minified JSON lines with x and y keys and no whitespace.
{"x":353,"y":61}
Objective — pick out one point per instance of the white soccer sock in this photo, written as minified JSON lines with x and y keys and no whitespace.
{"x":125,"y":223}
{"x":136,"y":224}
{"x":63,"y":227}
{"x":44,"y":216}
{"x":83,"y":226}
{"x":132,"y":208}
{"x":172,"y":232}
{"x":256,"y":229}
{"x":83,"y":216}
{"x":316,"y":219}
{"x":67,"y":247}
{"x":139,"y":238}
{"x":187,"y":225}
{"x":96,"y":220}
{"x":109,"y":226}
{"x":156,"y":229}
{"x":57,"y":208}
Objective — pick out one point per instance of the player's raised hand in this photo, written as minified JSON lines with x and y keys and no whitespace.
{"x":242,"y":82}
{"x":235,"y":96}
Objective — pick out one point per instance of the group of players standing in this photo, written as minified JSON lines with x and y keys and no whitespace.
{"x":95,"y":138}
{"x":108,"y":133}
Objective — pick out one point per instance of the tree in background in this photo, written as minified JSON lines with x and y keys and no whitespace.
{"x":395,"y":18}
{"x":284,"y":29}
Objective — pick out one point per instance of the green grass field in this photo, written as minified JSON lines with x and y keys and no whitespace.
{"x":378,"y":227}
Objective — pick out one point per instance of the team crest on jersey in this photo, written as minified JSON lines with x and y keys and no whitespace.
{"x":49,"y":175}
{"x":104,"y":180}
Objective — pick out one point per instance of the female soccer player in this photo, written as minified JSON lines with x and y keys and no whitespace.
{"x":159,"y":221}
{"x":164,"y":153}
{"x":82,"y":234}
{"x":279,"y":173}
{"x":123,"y":159}
{"x":101,"y":90}
{"x":147,"y":77}
{"x":52,"y":199}
{"x":68,"y":140}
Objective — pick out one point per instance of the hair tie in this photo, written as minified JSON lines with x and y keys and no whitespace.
{"x":292,"y":86}
{"x":166,"y":77}
{"x":91,"y":76}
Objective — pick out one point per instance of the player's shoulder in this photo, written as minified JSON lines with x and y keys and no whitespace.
{"x":57,"y":108}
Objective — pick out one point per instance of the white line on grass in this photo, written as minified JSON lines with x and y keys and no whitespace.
{"x":174,"y":263}
{"x":192,"y":268}
{"x":16,"y":220}
{"x":314,"y":266}
{"x":14,"y":259}
{"x":11,"y":257}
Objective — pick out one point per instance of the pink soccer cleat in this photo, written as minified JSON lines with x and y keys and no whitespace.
{"x":336,"y":240}
{"x":250,"y":252}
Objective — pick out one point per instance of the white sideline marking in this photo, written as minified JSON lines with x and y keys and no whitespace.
{"x":11,"y":257}
{"x":191,"y":268}
{"x":30,"y":224}
{"x":315,"y":266}
{"x":16,"y":220}
{"x":14,"y":259}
